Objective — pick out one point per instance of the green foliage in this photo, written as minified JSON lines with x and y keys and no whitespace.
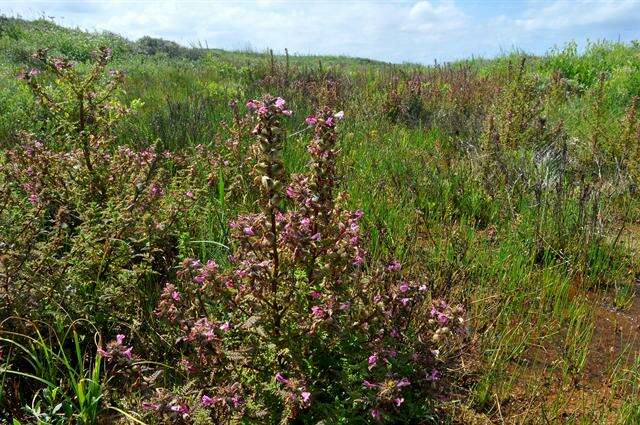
{"x":20,"y":38}
{"x":72,"y":378}
{"x":507,"y":184}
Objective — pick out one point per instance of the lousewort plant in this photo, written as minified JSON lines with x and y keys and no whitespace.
{"x":297,"y":321}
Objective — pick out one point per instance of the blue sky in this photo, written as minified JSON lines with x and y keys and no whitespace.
{"x":392,"y":30}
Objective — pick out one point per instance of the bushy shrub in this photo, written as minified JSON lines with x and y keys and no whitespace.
{"x":19,"y":38}
{"x":296,"y":327}
{"x":91,"y":230}
{"x":87,"y":225}
{"x":157,"y":46}
{"x":451,"y":98}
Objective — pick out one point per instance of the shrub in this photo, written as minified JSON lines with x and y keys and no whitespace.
{"x":88,"y":226}
{"x":296,"y":327}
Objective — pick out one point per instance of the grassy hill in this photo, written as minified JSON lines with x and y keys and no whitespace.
{"x":21,"y":37}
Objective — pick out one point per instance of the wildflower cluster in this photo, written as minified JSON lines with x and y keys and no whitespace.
{"x":89,"y":219}
{"x":453,"y":99}
{"x":265,"y":336}
{"x":116,"y":350}
{"x":81,"y":105}
{"x":318,"y":85}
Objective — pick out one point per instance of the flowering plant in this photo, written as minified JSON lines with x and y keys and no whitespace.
{"x":88,"y":224}
{"x":296,"y":321}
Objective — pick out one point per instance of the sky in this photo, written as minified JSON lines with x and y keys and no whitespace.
{"x":418,"y":31}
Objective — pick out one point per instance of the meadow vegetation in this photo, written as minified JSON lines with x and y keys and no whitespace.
{"x":189,"y":235}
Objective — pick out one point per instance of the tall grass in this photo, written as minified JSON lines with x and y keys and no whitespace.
{"x":509,"y":184}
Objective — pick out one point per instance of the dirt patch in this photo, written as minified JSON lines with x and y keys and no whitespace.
{"x":548,"y":391}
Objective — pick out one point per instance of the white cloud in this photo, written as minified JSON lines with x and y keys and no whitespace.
{"x":561,"y":15}
{"x":437,"y":20}
{"x":398,"y":30}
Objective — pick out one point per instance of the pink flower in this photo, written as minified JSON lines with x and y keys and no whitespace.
{"x":104,"y":353}
{"x":317,"y":311}
{"x":404,"y":287}
{"x":150,"y":406}
{"x":373,"y":359}
{"x":263,"y":110}
{"x":155,"y":191}
{"x":280,"y":378}
{"x":394,"y":265}
{"x":60,"y":63}
{"x":359,"y":258}
{"x":368,"y":384}
{"x":248,"y":231}
{"x":291,"y":192}
{"x":403,"y":383}
{"x":225,"y":326}
{"x":175,"y":295}
{"x":339,"y":115}
{"x":190,"y":195}
{"x":443,"y":318}
{"x":120,"y":339}
{"x":187,"y":365}
{"x":305,"y":396}
{"x":405,"y":301}
{"x":127,"y":353}
{"x":311,"y":120}
{"x":251,"y":105}
{"x":236,"y":400}
{"x":440,"y":316}
{"x":434,"y":376}
{"x":345,"y":306}
{"x":375,"y":413}
{"x":207,"y":401}
{"x":399,"y":401}
{"x":279,"y":103}
{"x":329,"y":121}
{"x":180,"y":408}
{"x":315,"y":294}
{"x":287,"y":112}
